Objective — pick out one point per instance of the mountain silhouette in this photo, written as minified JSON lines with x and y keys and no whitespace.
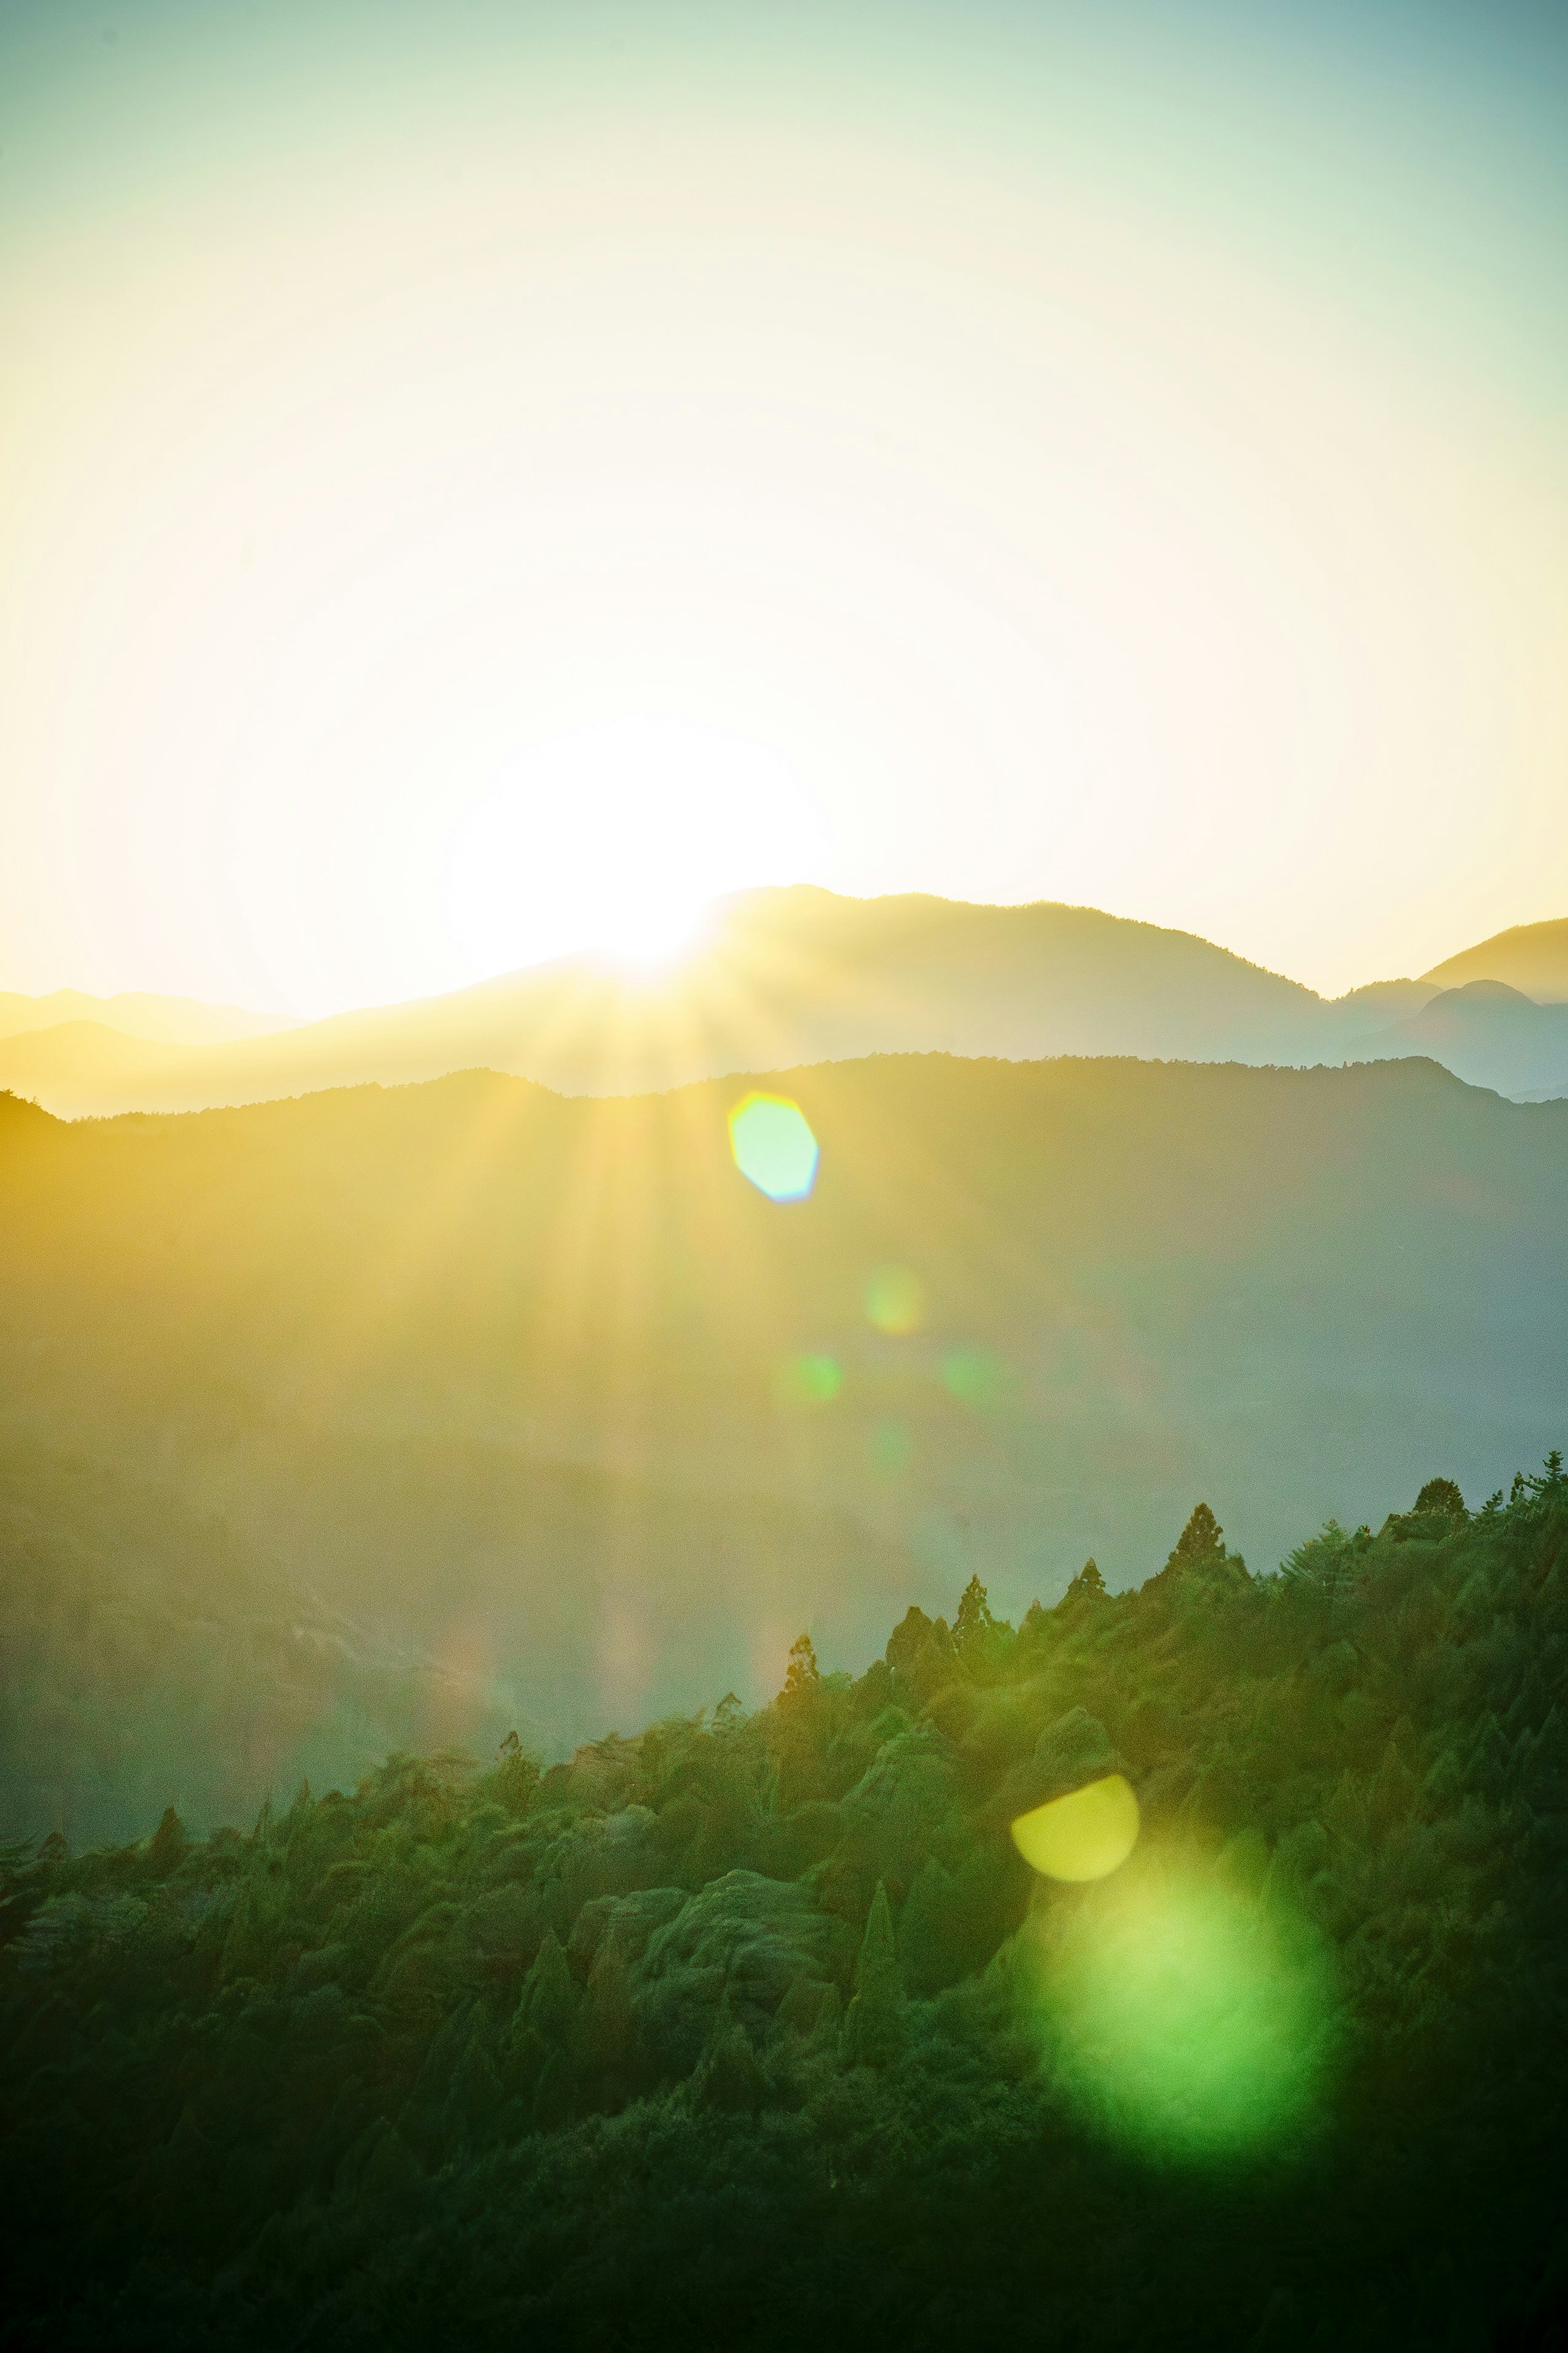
{"x":1484,"y":1032}
{"x":785,"y":977}
{"x":1532,"y":958}
{"x":136,"y":1013}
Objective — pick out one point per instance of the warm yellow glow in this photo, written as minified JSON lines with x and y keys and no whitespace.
{"x":416,"y":575}
{"x":1088,"y":1834}
{"x":616,"y":837}
{"x":895,"y":1300}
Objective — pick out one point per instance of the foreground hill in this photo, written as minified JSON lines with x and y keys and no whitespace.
{"x":544,"y":1387}
{"x":760,"y":2033}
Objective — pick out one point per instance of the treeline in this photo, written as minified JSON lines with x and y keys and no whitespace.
{"x":756,"y":2032}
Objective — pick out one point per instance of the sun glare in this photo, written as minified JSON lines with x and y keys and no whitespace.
{"x":614,"y":838}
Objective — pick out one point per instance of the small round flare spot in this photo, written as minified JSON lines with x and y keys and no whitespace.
{"x":774,"y":1146}
{"x":1088,"y":1834}
{"x":895,"y":1300}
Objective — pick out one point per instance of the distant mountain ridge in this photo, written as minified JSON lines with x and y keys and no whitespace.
{"x":1531,"y":957}
{"x":1488,"y":1034}
{"x":800,"y":976}
{"x":138,"y":1013}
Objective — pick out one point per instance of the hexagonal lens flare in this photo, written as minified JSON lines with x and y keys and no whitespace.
{"x":773,"y":1147}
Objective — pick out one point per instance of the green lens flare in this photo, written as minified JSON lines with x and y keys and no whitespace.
{"x":1185,"y":2018}
{"x":773,"y":1147}
{"x":892,"y":1448}
{"x":808,"y":1380}
{"x":975,"y":1376}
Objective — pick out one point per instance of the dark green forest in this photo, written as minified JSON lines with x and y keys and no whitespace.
{"x":755,"y":2031}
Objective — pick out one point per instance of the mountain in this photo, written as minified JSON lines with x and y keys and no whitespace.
{"x":1532,"y":958}
{"x":785,"y":977}
{"x":153,"y":1657}
{"x":796,"y":975}
{"x":542,"y":1387}
{"x":788,"y":976}
{"x":163,"y":1020}
{"x":84,"y":1068}
{"x":1484,"y":1032}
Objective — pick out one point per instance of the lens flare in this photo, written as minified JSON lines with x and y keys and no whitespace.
{"x":1086,"y":1835}
{"x":808,"y":1380}
{"x":895,"y":1300}
{"x":975,"y":1376}
{"x":1185,"y":2017}
{"x":775,"y":1148}
{"x":892,"y":1448}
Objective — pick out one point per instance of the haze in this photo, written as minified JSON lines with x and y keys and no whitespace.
{"x":479,"y":481}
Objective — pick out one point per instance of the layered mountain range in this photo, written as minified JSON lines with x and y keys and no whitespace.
{"x":797,"y":975}
{"x":540,"y":1391}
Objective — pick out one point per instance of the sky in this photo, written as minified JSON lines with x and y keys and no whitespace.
{"x":478,"y":479}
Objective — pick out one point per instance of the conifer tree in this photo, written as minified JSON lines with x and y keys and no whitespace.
{"x":803,"y":1677}
{"x":1442,"y":1498}
{"x":727,"y":2075}
{"x":874,"y":2028}
{"x":1087,"y":1585}
{"x":975,"y":1620}
{"x":1202,"y":1539}
{"x":549,"y":2001}
{"x":607,"y":2022}
{"x":168,"y":1843}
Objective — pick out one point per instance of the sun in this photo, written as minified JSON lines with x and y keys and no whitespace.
{"x":614,"y":839}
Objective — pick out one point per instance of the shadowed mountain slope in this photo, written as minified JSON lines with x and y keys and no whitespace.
{"x":150,"y":1657}
{"x":1486,"y":1033}
{"x":543,"y":1386}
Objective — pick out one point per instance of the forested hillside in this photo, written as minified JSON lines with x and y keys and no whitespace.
{"x":756,"y":2031}
{"x":148,"y":1656}
{"x":544,"y":1390}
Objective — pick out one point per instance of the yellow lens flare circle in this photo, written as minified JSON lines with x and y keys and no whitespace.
{"x":1088,"y":1834}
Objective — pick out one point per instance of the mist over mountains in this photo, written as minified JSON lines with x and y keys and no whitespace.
{"x":796,"y":975}
{"x":533,"y":1386}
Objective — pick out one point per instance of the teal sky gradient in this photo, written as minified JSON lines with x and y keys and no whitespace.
{"x":1177,"y":389}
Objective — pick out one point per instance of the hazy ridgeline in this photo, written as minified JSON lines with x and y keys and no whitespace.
{"x":466,"y":1405}
{"x":798,"y":976}
{"x":759,"y":2032}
